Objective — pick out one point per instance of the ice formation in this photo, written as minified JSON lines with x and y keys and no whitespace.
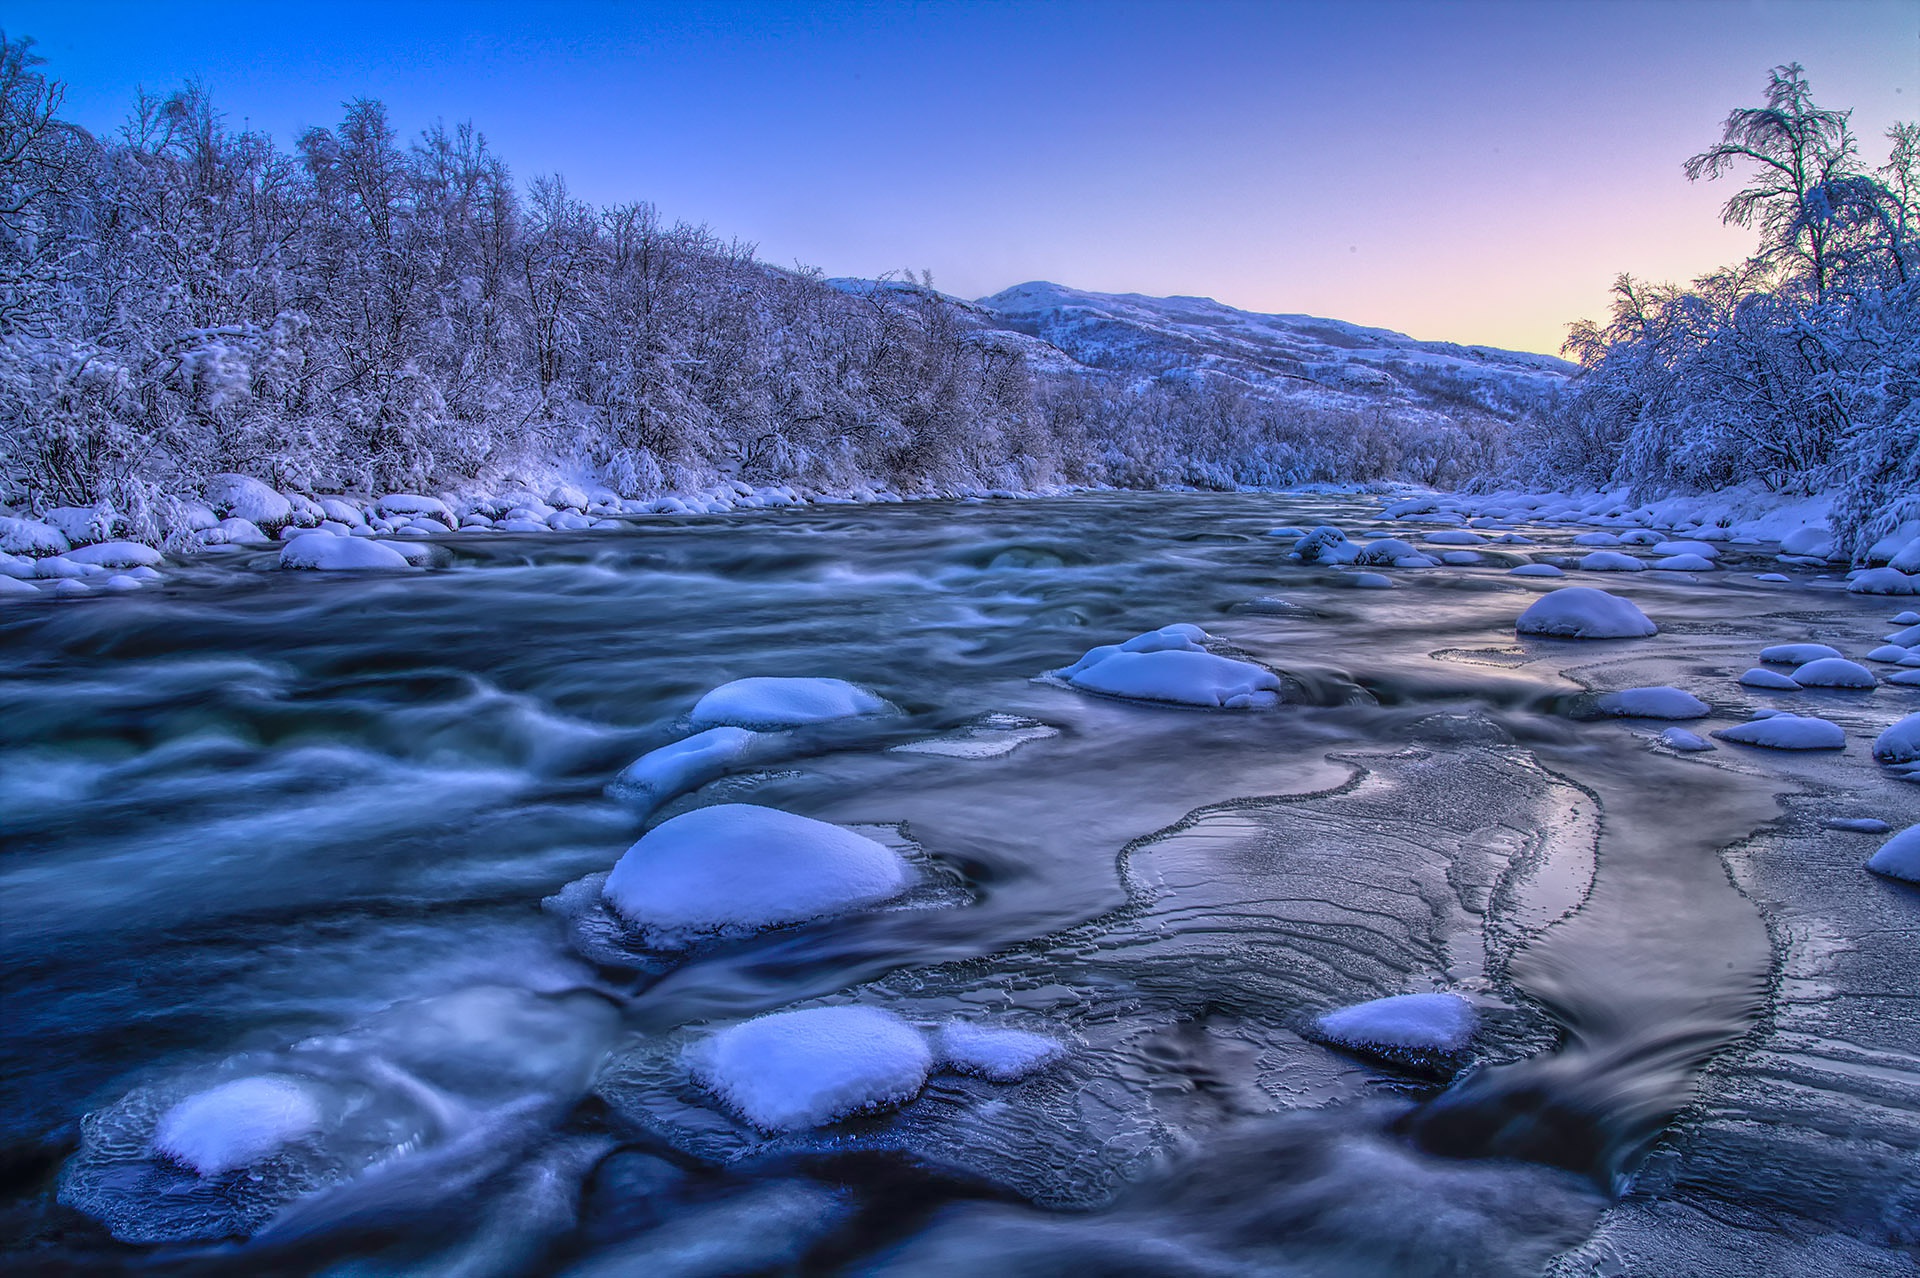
{"x":1582,"y":612}
{"x":785,"y":702}
{"x":793,"y":1070}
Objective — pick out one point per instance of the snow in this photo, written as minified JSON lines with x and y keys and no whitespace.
{"x":1001,"y":1055}
{"x":1372,"y":581}
{"x":768,"y":701}
{"x":1391,"y":550}
{"x":1419,"y":1023}
{"x":326,"y":552}
{"x":1787,"y":732}
{"x":1796,"y":654}
{"x":1684,"y":563}
{"x":1833,"y":672}
{"x":1761,"y":677}
{"x":1899,"y":857}
{"x":1858,"y":825}
{"x":1325,"y":544}
{"x":415,"y":504}
{"x":1908,"y":618}
{"x":1899,"y":743}
{"x":1454,"y":537}
{"x":1891,"y":653}
{"x":1907,"y":558}
{"x":1655,"y":703}
{"x":1698,"y":549}
{"x":243,"y":497}
{"x":1681,"y":739}
{"x":1610,"y":561}
{"x":686,"y":765}
{"x":1908,"y":638}
{"x":1596,"y":539}
{"x":1884,"y":581}
{"x":738,"y":867}
{"x":1582,"y":612}
{"x":14,"y":588}
{"x":1170,"y":665}
{"x":117,"y":554}
{"x":31,"y":537}
{"x":1905,"y":679}
{"x":1535,"y":570}
{"x":236,"y":1124}
{"x":1460,"y":558}
{"x":793,"y":1070}
{"x":56,"y":566}
{"x":1771,"y":576}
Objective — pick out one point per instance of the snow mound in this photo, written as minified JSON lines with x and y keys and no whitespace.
{"x":785,"y":702}
{"x":1325,"y":545}
{"x":1372,"y":581}
{"x":1169,"y":667}
{"x":236,"y":1124}
{"x":1833,"y":672}
{"x":1403,"y":1025}
{"x":1796,"y":654}
{"x":1905,"y":679}
{"x":1682,"y":740}
{"x":1771,"y":576}
{"x":117,"y":554}
{"x":1001,"y":1055}
{"x":1760,"y":677}
{"x":794,"y":1070}
{"x":1884,"y":581}
{"x":30,"y":537}
{"x":1858,"y":825}
{"x":1787,"y":732}
{"x":1610,"y":561}
{"x":1907,"y":618}
{"x":1907,"y":558}
{"x":1684,"y":563}
{"x":1582,"y":612}
{"x":1386,"y":550}
{"x":1535,"y":570}
{"x":1700,"y":549}
{"x":1596,"y":539}
{"x":1454,"y":537}
{"x":415,"y":504}
{"x":738,"y":867}
{"x":1655,"y":703}
{"x":1908,"y":638}
{"x":324,"y":552}
{"x":1891,"y":653}
{"x":243,"y":497}
{"x":13,"y":587}
{"x":1899,"y":857}
{"x":1899,"y":743}
{"x":674,"y":769}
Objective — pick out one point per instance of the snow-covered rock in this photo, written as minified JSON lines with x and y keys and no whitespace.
{"x":1908,"y":638}
{"x":659,"y":775}
{"x":1899,"y":743}
{"x":237,"y":1124}
{"x":1684,"y":563}
{"x":1899,"y":857}
{"x":1884,"y":581}
{"x":1596,"y":539}
{"x":1001,"y":1055}
{"x":1907,"y":558}
{"x":31,"y":537}
{"x":1796,"y":654}
{"x":771,"y":701}
{"x":117,"y":554}
{"x":1771,"y":577}
{"x":235,"y":531}
{"x":402,"y":504}
{"x":1907,"y":618}
{"x":792,"y":1070}
{"x":13,"y":588}
{"x":341,"y":511}
{"x":1655,"y":703}
{"x":1787,"y":732}
{"x":1833,"y":672}
{"x":1386,"y":551}
{"x":1684,"y":741}
{"x":243,"y":497}
{"x":737,"y":867}
{"x":1403,"y":1026}
{"x":1761,"y":677}
{"x":1813,"y":541}
{"x":1535,"y":570}
{"x":1325,"y":545}
{"x":1698,"y":549}
{"x":1454,"y":537}
{"x":54,"y":567}
{"x":1372,"y":581}
{"x":1857,"y":825}
{"x":1170,"y":665}
{"x":326,"y":552}
{"x":1891,"y":653}
{"x":1582,"y":612}
{"x":1610,"y":561}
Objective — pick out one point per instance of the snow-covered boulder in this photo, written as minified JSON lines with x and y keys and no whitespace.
{"x":117,"y":554}
{"x":1170,"y":665}
{"x":1699,"y":549}
{"x":1787,"y":732}
{"x":1454,"y":537}
{"x":1610,"y":561}
{"x":1582,"y":612}
{"x":1640,"y":537}
{"x":1899,"y":857}
{"x":243,"y":497}
{"x":793,"y":1070}
{"x":1891,"y":653}
{"x":771,"y":701}
{"x":342,"y":511}
{"x":1907,"y":558}
{"x":1908,"y":638}
{"x":1408,"y":1027}
{"x":567,"y":497}
{"x":1884,"y":581}
{"x":235,"y":531}
{"x":1907,"y":618}
{"x":237,"y":1124}
{"x":326,"y":552}
{"x":395,"y":505}
{"x":1796,"y":654}
{"x":1812,"y":541}
{"x":1372,"y":581}
{"x":736,"y":868}
{"x":1833,"y":672}
{"x":1596,"y":539}
{"x":31,"y":537}
{"x":1386,"y":551}
{"x":1682,"y":740}
{"x":12,"y":588}
{"x":1773,"y":680}
{"x":81,"y":524}
{"x":1535,"y":570}
{"x":659,"y":775}
{"x":1325,"y":545}
{"x":1000,"y":1055}
{"x":1655,"y":703}
{"x":1899,"y":743}
{"x":1684,"y":563}
{"x":54,"y":567}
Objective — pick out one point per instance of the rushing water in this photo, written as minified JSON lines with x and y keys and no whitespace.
{"x":271,"y":821}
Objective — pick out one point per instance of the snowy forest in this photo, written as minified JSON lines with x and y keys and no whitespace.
{"x":368,"y":313}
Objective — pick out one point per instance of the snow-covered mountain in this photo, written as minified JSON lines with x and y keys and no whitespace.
{"x":1281,"y":355}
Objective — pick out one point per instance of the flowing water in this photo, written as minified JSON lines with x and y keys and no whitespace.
{"x":338,"y":828}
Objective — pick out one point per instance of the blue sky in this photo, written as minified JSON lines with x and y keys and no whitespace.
{"x":1471,"y":171}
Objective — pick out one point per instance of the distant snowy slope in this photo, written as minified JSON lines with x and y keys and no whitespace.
{"x":1277,"y":354}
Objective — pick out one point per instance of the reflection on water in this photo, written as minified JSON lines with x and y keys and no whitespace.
{"x":267,"y":824}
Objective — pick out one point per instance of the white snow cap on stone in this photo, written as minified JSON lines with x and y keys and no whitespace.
{"x":1325,"y":545}
{"x":236,"y":1124}
{"x":673,"y":769}
{"x":784,"y":702}
{"x":1884,"y":581}
{"x":1582,"y":612}
{"x":1002,"y":1055}
{"x":1684,"y":563}
{"x":1899,"y":743}
{"x":1787,"y":732}
{"x":1169,"y":664}
{"x":1761,"y":677}
{"x":1682,"y":740}
{"x":1655,"y":703}
{"x":1610,"y":561}
{"x":1899,"y":857}
{"x":1833,"y":672}
{"x":794,"y":1070}
{"x":1403,"y":1022}
{"x":739,"y":867}
{"x":30,"y":537}
{"x":117,"y":554}
{"x":243,"y":497}
{"x":327,"y":552}
{"x":1535,"y":570}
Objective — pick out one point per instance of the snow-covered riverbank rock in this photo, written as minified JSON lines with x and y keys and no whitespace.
{"x":1582,"y":612}
{"x":1899,"y":743}
{"x":771,"y":701}
{"x":1169,"y":664}
{"x":1787,"y":732}
{"x":737,"y":867}
{"x":236,"y":1124}
{"x":1899,"y":857}
{"x":117,"y":554}
{"x":1536,"y":570}
{"x":1884,"y":581}
{"x":31,"y":537}
{"x":1654,"y":703}
{"x":325,"y":552}
{"x":243,"y":497}
{"x":1411,"y":1028}
{"x":999,"y":1055}
{"x":792,"y":1070}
